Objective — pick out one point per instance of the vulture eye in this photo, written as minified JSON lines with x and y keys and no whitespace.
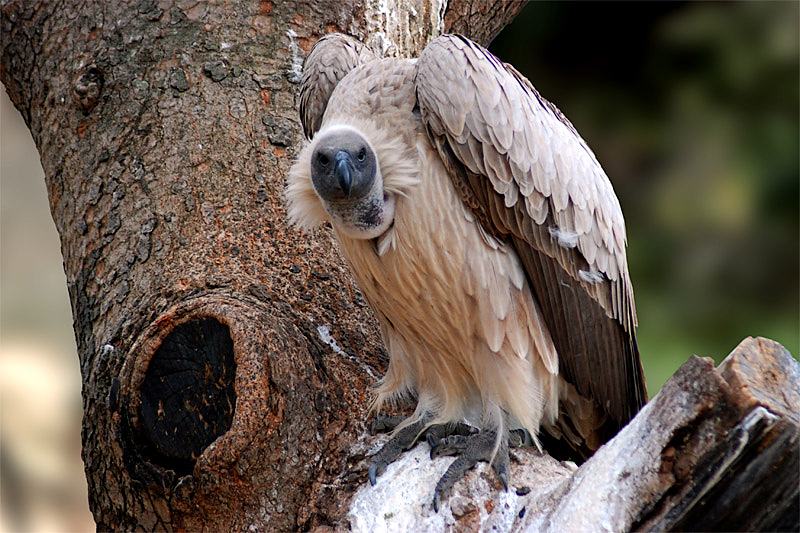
{"x":362,"y":155}
{"x":323,"y":160}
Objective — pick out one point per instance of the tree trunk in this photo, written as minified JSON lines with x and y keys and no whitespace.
{"x":226,"y":359}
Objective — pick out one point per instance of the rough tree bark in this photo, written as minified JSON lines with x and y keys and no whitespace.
{"x":226,"y":360}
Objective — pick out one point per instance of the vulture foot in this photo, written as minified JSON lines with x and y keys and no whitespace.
{"x":469,"y":444}
{"x":401,"y":441}
{"x":470,"y":449}
{"x":407,"y":437}
{"x":384,"y":423}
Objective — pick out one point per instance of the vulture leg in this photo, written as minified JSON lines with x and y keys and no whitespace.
{"x":384,"y":423}
{"x":455,"y":443}
{"x":480,"y":446}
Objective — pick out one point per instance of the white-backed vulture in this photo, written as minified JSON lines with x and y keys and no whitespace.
{"x":486,"y":238}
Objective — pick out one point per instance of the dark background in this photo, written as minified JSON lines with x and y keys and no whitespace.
{"x":692,"y":109}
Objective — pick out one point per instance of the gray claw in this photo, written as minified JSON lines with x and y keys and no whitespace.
{"x":400,"y":442}
{"x":518,"y":437}
{"x":450,"y":445}
{"x":471,"y":449}
{"x":504,"y":479}
{"x":434,"y":442}
{"x":373,"y":473}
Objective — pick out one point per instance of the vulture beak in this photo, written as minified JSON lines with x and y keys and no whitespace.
{"x":343,"y":165}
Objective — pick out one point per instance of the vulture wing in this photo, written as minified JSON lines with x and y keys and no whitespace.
{"x":534,"y":183}
{"x":332,"y":57}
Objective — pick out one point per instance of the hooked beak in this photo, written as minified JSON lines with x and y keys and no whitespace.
{"x":343,"y":165}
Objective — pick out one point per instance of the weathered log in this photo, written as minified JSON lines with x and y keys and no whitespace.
{"x":738,"y":466}
{"x":715,"y":449}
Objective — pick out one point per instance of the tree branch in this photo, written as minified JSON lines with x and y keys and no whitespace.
{"x":716,"y":449}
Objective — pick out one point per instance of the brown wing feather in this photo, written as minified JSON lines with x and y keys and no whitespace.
{"x":332,"y":57}
{"x":531,"y":180}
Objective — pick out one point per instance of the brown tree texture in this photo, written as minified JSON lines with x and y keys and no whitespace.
{"x":165,"y":131}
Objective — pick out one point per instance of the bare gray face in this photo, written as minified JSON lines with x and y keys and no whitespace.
{"x":345,"y":174}
{"x":343,"y":166}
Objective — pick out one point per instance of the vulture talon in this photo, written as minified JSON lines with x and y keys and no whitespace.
{"x":450,"y":445}
{"x":401,"y":441}
{"x":470,"y":450}
{"x":467,"y":443}
{"x":373,"y":473}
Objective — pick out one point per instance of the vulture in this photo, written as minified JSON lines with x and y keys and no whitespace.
{"x":489,"y":243}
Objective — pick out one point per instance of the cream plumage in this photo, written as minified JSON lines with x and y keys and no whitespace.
{"x":485,"y":236}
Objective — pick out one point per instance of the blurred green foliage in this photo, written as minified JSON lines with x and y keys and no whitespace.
{"x":692,"y":109}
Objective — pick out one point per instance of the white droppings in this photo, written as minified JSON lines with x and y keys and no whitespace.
{"x":296,"y":64}
{"x":439,"y":12}
{"x":381,"y":42}
{"x":566,"y":239}
{"x":382,"y":20}
{"x":401,"y":500}
{"x":324,"y":333}
{"x":225,"y":46}
{"x":107,"y":350}
{"x":591,"y":276}
{"x":394,"y":29}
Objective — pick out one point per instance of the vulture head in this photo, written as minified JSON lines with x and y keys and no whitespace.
{"x":347,"y":178}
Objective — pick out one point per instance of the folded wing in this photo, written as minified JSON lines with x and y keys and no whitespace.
{"x":332,"y":57}
{"x":533,"y":182}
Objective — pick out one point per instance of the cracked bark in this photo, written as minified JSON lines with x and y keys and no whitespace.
{"x":165,"y":129}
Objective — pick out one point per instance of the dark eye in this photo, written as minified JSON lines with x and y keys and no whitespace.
{"x":362,"y":155}
{"x":323,"y":160}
